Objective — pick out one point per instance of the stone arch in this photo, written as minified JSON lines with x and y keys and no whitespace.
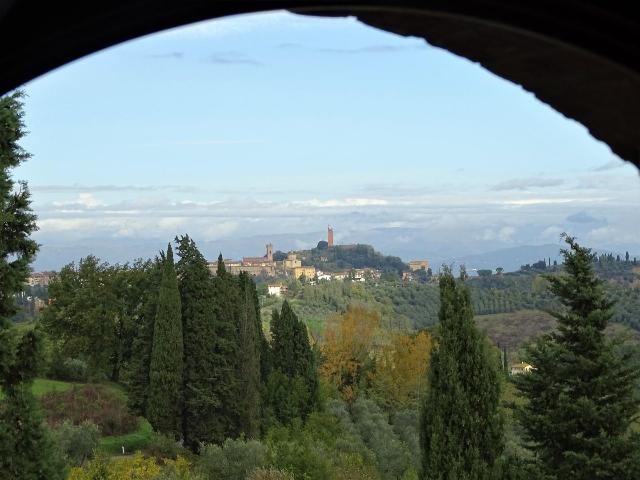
{"x":580,"y":57}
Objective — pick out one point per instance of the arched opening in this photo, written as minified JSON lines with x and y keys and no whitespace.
{"x":355,"y":328}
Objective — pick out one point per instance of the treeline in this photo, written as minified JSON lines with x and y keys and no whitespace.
{"x":188,"y":345}
{"x":415,"y":305}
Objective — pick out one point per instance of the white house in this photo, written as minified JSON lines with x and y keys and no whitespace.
{"x":276,"y":290}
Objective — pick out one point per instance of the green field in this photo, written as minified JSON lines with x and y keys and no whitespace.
{"x":132,"y":441}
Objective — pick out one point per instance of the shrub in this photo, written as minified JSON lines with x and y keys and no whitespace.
{"x":96,"y":403}
{"x":393,"y":456}
{"x":77,"y":442}
{"x":162,"y":446}
{"x":69,"y":369}
{"x":101,"y":468}
{"x":270,"y":474}
{"x":231,"y":461}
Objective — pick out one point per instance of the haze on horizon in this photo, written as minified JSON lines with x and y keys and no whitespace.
{"x":272,"y":126}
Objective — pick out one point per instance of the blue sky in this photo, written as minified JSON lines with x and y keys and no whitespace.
{"x":267,"y":124}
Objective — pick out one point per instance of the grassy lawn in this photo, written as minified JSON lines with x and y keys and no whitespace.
{"x":131,"y":441}
{"x":44,"y":385}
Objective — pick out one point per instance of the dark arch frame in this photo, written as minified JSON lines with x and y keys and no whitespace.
{"x":582,"y":57}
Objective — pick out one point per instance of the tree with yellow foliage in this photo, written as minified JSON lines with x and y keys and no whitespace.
{"x":400,"y":371}
{"x":347,"y":349}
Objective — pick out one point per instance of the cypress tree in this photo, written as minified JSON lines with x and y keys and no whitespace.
{"x":137,"y":375}
{"x":249,"y":363}
{"x":26,"y":450}
{"x":198,"y":324}
{"x":580,"y":402}
{"x":292,"y":386}
{"x":461,"y":426}
{"x":164,"y":403}
{"x":227,"y":302}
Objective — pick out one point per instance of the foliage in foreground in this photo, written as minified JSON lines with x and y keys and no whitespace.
{"x":26,"y":449}
{"x":580,"y":400}
{"x":461,"y":428}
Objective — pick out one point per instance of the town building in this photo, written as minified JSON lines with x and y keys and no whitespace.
{"x":292,"y":261}
{"x":40,"y":279}
{"x":277,"y":290}
{"x":418,"y":265}
{"x":306,"y":272}
{"x":252,"y":265}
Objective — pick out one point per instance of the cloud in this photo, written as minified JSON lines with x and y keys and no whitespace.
{"x":346,"y":202}
{"x":553,"y":232}
{"x":168,"y":55}
{"x":581,"y":217}
{"x":232,"y":58}
{"x":503,"y":234}
{"x":610,"y":165}
{"x":78,"y":188}
{"x":527,"y":183}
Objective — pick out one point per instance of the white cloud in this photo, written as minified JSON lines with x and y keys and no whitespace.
{"x":552,"y":233}
{"x":341,"y":203}
{"x":528,"y":183}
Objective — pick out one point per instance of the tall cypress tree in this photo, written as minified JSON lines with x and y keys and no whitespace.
{"x":26,"y":450}
{"x":250,"y":338}
{"x":198,"y":321}
{"x":461,"y":426}
{"x":227,"y":302}
{"x":292,"y":385}
{"x":580,"y":402}
{"x":164,"y":403}
{"x":137,"y":373}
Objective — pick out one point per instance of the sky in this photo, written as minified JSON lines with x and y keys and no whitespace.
{"x":272,"y":126}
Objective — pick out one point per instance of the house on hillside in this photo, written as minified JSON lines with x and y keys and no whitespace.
{"x":519,"y":368}
{"x":277,"y":290}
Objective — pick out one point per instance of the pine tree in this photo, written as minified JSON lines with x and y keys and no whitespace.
{"x":26,"y":450}
{"x":198,"y":323}
{"x":250,"y":338}
{"x":227,"y":302}
{"x":164,"y":403}
{"x":461,"y":426}
{"x":580,"y":401}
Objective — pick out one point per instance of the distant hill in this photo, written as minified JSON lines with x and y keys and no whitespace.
{"x":513,"y":330}
{"x":346,"y":257}
{"x":509,"y":258}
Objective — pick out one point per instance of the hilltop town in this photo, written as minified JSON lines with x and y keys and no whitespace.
{"x":327,"y":261}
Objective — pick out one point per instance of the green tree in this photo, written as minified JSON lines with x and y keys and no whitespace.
{"x":94,"y":312}
{"x":250,"y":338}
{"x":137,"y":374}
{"x":227,"y":302}
{"x":26,"y":449}
{"x":580,"y":402}
{"x":198,"y":321}
{"x":461,"y":426}
{"x":292,"y":386}
{"x":164,"y":404}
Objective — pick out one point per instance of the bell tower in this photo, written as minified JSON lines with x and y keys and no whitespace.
{"x":330,"y":236}
{"x":270,"y":252}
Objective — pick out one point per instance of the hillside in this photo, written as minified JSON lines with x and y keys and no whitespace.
{"x":346,"y":257}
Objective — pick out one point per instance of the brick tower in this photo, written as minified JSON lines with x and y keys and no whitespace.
{"x":330,"y":236}
{"x":270,"y":252}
